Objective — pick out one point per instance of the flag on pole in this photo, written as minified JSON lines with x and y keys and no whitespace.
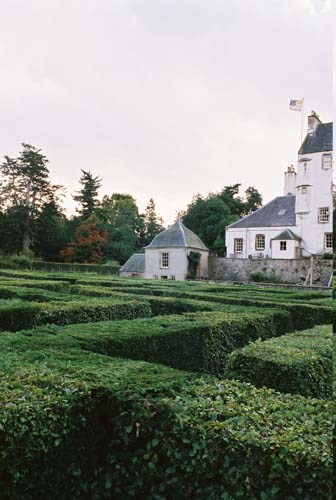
{"x":296,"y":104}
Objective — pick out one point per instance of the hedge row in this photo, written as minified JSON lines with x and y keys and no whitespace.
{"x":297,"y":363}
{"x":53,"y":286}
{"x":37,"y":276}
{"x":35,"y":294}
{"x":151,"y":288}
{"x":198,"y":342}
{"x":75,"y":268}
{"x":159,"y":305}
{"x":84,"y":426}
{"x":18,"y":315}
{"x":303,"y":315}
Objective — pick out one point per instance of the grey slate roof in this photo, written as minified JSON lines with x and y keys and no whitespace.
{"x":268,"y":215}
{"x":135,"y":264}
{"x":322,"y":140}
{"x":177,"y":235}
{"x":287,"y":235}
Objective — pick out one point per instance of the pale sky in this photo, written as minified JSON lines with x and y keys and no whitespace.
{"x":163,"y":98}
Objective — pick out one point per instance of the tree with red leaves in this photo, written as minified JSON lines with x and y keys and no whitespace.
{"x":88,"y":244}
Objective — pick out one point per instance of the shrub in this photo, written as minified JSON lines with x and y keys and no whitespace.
{"x":297,"y":363}
{"x":123,"y":429}
{"x":264,"y":278}
{"x":22,"y":262}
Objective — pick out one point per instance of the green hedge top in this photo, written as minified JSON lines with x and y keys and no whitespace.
{"x":18,"y":315}
{"x":54,"y":286}
{"x":141,"y":430}
{"x":298,"y":363}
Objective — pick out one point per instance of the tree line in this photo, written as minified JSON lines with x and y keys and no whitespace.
{"x":33,"y":220}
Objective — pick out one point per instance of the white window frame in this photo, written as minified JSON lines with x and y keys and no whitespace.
{"x":327,"y":161}
{"x":283,"y":244}
{"x":328,"y":244}
{"x":238,"y":245}
{"x":323,"y":215}
{"x":260,"y":242}
{"x":164,"y":260}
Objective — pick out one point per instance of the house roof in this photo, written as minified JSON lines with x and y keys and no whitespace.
{"x":177,"y":235}
{"x":321,"y":140}
{"x":277,"y":213}
{"x":287,"y":235}
{"x":135,"y":264}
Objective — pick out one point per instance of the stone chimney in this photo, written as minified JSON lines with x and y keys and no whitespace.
{"x":313,"y":122}
{"x":290,"y":181}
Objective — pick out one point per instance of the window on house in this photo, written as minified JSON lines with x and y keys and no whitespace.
{"x":283,"y":246}
{"x":164,"y":260}
{"x":323,"y":214}
{"x":238,"y":245}
{"x":156,"y":277}
{"x":328,"y":240}
{"x":260,"y":242}
{"x":172,"y":278}
{"x":164,"y":277}
{"x":326,"y":161}
{"x":282,"y":212}
{"x":304,"y":190}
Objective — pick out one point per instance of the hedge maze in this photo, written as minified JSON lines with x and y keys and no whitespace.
{"x":126,"y":389}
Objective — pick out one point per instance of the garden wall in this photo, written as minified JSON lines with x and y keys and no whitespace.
{"x":292,"y":271}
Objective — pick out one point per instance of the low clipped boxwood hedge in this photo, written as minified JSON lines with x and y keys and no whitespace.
{"x":199,"y":342}
{"x":18,"y":315}
{"x":75,"y":268}
{"x":53,"y":286}
{"x":38,"y":276}
{"x":88,"y":426}
{"x":159,"y":305}
{"x":304,"y":315}
{"x":35,"y":294}
{"x":297,"y":363}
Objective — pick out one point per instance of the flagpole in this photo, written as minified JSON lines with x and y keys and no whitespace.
{"x":302,"y":112}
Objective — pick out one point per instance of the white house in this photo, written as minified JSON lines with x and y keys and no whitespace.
{"x":298,"y":223}
{"x":166,"y":257}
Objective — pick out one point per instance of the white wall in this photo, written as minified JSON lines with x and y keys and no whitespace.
{"x":289,"y":253}
{"x":249,"y":237}
{"x":319,"y":185}
{"x":178,"y":263}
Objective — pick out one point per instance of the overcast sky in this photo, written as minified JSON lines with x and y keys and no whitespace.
{"x":163,"y":98}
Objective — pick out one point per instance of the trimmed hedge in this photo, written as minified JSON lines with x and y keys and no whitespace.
{"x":53,"y":286}
{"x":303,"y":315}
{"x":17,"y":315}
{"x":199,"y":342}
{"x":37,"y":276}
{"x":86,"y":426}
{"x":36,"y":294}
{"x":159,"y":305}
{"x":297,"y":363}
{"x":74,"y":268}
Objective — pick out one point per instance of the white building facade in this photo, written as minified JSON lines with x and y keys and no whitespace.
{"x":299,"y":223}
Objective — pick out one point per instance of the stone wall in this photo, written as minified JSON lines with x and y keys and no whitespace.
{"x":293,"y":271}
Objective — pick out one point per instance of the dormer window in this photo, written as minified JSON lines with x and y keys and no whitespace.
{"x":326,"y":161}
{"x":304,"y":190}
{"x":282,"y":212}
